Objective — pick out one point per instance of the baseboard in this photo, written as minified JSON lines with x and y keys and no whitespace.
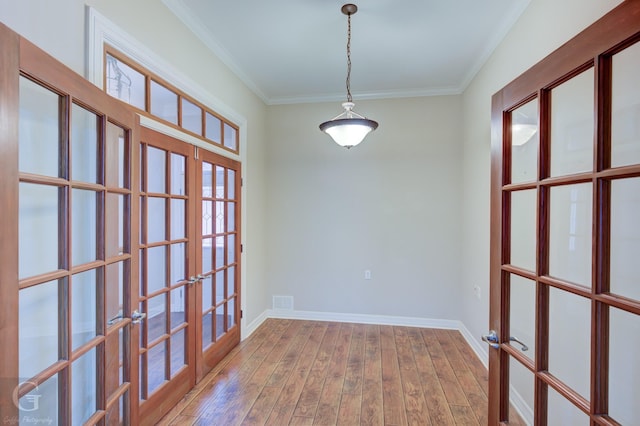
{"x":478,"y":348}
{"x":520,"y":405}
{"x":248,"y":329}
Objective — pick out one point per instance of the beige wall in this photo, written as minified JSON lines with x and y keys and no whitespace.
{"x":391,"y":205}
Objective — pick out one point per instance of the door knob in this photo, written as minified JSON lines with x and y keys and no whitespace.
{"x":515,"y":339}
{"x":137,"y":317}
{"x":491,"y":339}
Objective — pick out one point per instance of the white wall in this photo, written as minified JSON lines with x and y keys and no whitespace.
{"x":391,"y":205}
{"x":58,"y":27}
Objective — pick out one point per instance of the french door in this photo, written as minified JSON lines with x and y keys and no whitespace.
{"x":189,"y":263}
{"x":565,"y":233}
{"x":67,"y":317}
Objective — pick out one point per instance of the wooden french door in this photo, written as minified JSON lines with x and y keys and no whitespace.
{"x":166,"y":294}
{"x":565,"y":233}
{"x":66,"y":241}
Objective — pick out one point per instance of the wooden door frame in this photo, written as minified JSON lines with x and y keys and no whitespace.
{"x":619,"y":26}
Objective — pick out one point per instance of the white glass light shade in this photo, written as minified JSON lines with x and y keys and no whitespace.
{"x":348,"y":129}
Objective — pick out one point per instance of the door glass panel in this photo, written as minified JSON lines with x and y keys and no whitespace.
{"x":625,"y":237}
{"x":178,"y":219}
{"x":83,"y":226}
{"x":570,"y":233}
{"x":178,"y":176}
{"x":231,"y":313}
{"x":156,"y":219}
{"x":570,"y":339}
{"x":39,"y":132}
{"x":156,"y":357}
{"x":523,"y":229}
{"x":207,"y":217}
{"x":164,"y":103}
{"x":84,"y":145}
{"x":115,"y":225}
{"x":156,"y":269}
{"x":178,"y":351}
{"x":178,"y":263}
{"x":156,"y":317}
{"x":114,"y":361}
{"x":220,"y":224}
{"x":83,"y":308}
{"x":220,"y":185}
{"x":207,"y":255}
{"x":114,"y":291}
{"x":38,"y":328}
{"x":115,"y":413}
{"x":523,"y":312}
{"x":625,"y":106}
{"x":562,"y":412}
{"x":207,"y":329}
{"x":46,"y":395}
{"x":220,"y":252}
{"x":178,"y":306}
{"x":125,"y":83}
{"x":38,"y":229}
{"x":116,"y":162}
{"x":524,"y":143}
{"x":231,"y":184}
{"x":219,"y":319}
{"x":231,"y":284}
{"x":521,"y":390}
{"x":156,"y":170}
{"x":191,"y":117}
{"x":624,"y":369}
{"x":207,"y":293}
{"x":220,"y":286}
{"x":572,"y":106}
{"x":230,"y":136}
{"x":83,"y":387}
{"x":231,"y":249}
{"x":231,"y":217}
{"x":214,"y":128}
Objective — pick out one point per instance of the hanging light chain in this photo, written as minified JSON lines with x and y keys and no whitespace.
{"x":349,"y":98}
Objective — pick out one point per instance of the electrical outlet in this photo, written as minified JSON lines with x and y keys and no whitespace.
{"x":367,"y":274}
{"x":476,"y":291}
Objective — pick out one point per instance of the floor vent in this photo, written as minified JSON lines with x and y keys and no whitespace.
{"x":283,"y":303}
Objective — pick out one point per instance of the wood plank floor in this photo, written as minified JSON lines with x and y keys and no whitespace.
{"x":291,"y":372}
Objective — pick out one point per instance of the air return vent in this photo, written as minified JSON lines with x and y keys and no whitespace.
{"x":283,"y":303}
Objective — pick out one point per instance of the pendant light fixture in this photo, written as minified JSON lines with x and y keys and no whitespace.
{"x":349,"y":128}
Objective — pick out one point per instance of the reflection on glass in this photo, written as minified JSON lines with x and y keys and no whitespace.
{"x":83,"y":308}
{"x":124,"y":83}
{"x":156,"y":269}
{"x":207,"y":330}
{"x":525,"y":140}
{"x":116,"y":412}
{"x":38,"y":328}
{"x":178,"y":263}
{"x":207,"y":255}
{"x":84,"y":145}
{"x":625,"y":107}
{"x":178,"y":352}
{"x":570,"y":339}
{"x":156,"y":170}
{"x":115,"y":165}
{"x":624,"y":371}
{"x":562,"y":412}
{"x":178,"y":309}
{"x":207,"y":179}
{"x":156,"y":360}
{"x":114,"y":291}
{"x":83,"y":387}
{"x":39,"y":130}
{"x":572,"y":125}
{"x":46,"y":395}
{"x":115,"y":225}
{"x":230,"y":137}
{"x":214,"y":128}
{"x":38,"y":229}
{"x":156,"y":219}
{"x":220,"y":223}
{"x":207,"y":217}
{"x":83,"y":226}
{"x":523,"y":312}
{"x":114,"y":354}
{"x":156,"y":317}
{"x":207,"y":293}
{"x":523,"y":229}
{"x":164,"y":103}
{"x":625,"y":237}
{"x":178,"y":174}
{"x":522,"y":384}
{"x":191,"y":117}
{"x":178,"y":219}
{"x":570,"y":233}
{"x":220,"y":287}
{"x":231,"y":184}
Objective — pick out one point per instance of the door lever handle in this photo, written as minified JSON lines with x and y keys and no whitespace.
{"x":491,"y":339}
{"x":515,"y":339}
{"x":137,"y":317}
{"x":115,"y":319}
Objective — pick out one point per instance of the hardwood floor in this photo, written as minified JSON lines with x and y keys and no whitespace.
{"x":291,"y":372}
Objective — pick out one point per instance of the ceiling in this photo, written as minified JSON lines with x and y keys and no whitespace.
{"x":290,"y":51}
